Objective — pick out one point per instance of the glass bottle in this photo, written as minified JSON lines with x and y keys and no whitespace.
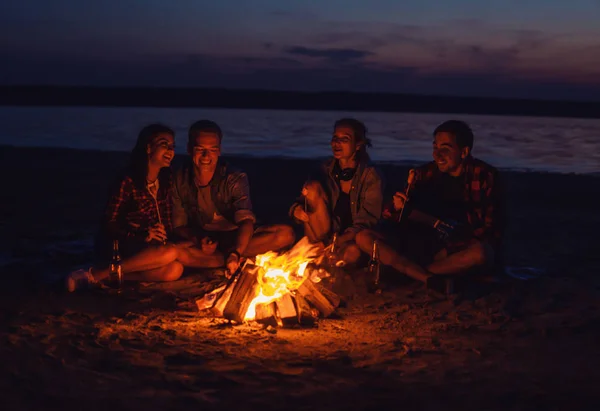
{"x":115,"y":271}
{"x":332,"y":254}
{"x":374,"y":264}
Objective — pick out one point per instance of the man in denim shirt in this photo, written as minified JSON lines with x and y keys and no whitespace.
{"x":212,"y":207}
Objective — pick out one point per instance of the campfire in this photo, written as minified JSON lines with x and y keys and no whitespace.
{"x":276,"y":289}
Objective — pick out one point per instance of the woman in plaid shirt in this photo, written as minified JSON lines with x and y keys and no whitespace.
{"x":138,"y":215}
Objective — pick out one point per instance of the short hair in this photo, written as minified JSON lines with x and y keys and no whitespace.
{"x":358,"y":127}
{"x":459,"y":129}
{"x":203,"y":126}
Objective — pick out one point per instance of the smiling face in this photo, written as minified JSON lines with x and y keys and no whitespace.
{"x":161,"y":150}
{"x":343,"y":143}
{"x":447,"y":154}
{"x":206,"y":151}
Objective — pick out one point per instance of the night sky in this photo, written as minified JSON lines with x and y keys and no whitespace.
{"x":508,"y":48}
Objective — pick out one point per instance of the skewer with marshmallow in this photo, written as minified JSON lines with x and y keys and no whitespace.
{"x":409,"y":180}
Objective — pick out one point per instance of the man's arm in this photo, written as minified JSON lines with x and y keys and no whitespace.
{"x":243,"y":214}
{"x":240,"y":199}
{"x":245,"y":231}
{"x":494,"y":211}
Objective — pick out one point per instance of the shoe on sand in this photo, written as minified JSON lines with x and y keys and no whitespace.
{"x":79,"y":280}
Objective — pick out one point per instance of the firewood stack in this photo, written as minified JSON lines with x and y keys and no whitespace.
{"x":301,"y":306}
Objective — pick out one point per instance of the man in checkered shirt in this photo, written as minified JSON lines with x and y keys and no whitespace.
{"x":453,"y":221}
{"x":212,"y":206}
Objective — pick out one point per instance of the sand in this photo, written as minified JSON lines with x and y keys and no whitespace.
{"x":513,"y":345}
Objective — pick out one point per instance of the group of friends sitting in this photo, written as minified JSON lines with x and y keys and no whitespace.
{"x":448,"y":220}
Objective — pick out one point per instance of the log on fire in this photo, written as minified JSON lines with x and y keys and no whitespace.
{"x":219,"y":306}
{"x":307,"y":315}
{"x":315,"y":297}
{"x":302,"y":306}
{"x":266,"y":314}
{"x":286,"y":310}
{"x":244,"y":291}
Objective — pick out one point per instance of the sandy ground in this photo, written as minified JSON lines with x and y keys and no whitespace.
{"x":514,"y":345}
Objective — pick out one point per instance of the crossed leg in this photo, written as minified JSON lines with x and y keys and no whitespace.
{"x":265,"y":238}
{"x":388,"y":256}
{"x":155,"y":263}
{"x":270,"y":238}
{"x":477,"y":254}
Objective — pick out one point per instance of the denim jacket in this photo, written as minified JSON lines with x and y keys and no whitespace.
{"x":230,"y":192}
{"x":366,"y":195}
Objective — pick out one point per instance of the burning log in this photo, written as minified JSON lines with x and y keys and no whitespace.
{"x":309,"y":291}
{"x":333,"y":298}
{"x":244,"y":291}
{"x":306,"y":314}
{"x":266,"y":314}
{"x":219,"y":306}
{"x":286,"y":310}
{"x":277,"y":289}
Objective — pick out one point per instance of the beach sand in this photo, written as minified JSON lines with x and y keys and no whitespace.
{"x":514,"y":345}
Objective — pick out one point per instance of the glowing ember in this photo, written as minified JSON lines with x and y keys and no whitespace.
{"x":283,"y":273}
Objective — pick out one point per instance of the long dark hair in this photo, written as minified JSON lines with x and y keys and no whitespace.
{"x":360,"y":136}
{"x":138,"y":161}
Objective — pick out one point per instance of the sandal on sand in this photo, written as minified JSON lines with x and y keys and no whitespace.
{"x":80,"y":279}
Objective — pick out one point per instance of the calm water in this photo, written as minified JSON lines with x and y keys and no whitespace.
{"x":564,"y":145}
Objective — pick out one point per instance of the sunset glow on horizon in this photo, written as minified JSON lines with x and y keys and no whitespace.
{"x":511,"y":48}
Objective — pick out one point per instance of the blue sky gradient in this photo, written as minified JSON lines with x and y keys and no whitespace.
{"x":510,"y":48}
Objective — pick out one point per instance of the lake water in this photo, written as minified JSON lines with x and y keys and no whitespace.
{"x":562,"y":145}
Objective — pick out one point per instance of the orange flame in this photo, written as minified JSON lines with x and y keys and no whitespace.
{"x":283,"y":273}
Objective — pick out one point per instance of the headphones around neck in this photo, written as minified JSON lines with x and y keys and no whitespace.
{"x":345,"y":174}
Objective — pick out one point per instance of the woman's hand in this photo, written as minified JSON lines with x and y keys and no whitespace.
{"x":300,"y":214}
{"x":157,"y":232}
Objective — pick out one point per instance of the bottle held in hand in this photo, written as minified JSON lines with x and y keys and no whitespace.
{"x":332,"y":253}
{"x":115,"y":272}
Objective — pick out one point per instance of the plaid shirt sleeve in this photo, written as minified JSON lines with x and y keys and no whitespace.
{"x":240,"y":198}
{"x":491,"y":205}
{"x":119,"y":196}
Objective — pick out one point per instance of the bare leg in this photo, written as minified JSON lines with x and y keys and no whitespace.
{"x":194,"y":257}
{"x":319,"y":220}
{"x":477,"y":254}
{"x":388,"y":256}
{"x":350,"y":253}
{"x":149,"y":259}
{"x":270,"y":238}
{"x":169,"y":272}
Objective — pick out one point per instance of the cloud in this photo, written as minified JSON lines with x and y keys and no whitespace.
{"x":466,"y":46}
{"x":301,"y":15}
{"x":332,"y":54}
{"x":284,"y":73}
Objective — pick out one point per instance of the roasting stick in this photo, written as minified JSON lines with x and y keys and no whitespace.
{"x":410,"y":180}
